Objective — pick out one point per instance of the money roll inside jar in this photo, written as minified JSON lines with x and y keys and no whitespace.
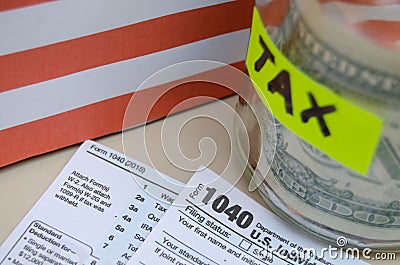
{"x":353,"y":49}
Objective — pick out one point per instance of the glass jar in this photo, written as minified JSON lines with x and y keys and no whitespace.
{"x":354,"y":51}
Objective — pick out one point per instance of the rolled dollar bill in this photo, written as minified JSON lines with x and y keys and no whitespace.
{"x":333,"y":42}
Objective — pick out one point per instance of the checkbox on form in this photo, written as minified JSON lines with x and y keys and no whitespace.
{"x":245,"y":244}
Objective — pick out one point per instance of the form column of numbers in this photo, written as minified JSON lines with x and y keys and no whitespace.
{"x":131,"y":228}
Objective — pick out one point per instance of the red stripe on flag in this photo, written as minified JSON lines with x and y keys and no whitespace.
{"x":64,"y":58}
{"x":106,"y":116}
{"x":13,"y":4}
{"x":385,"y":33}
{"x":274,"y":12}
{"x":88,"y":122}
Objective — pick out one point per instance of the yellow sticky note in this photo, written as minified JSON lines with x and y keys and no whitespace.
{"x":344,"y":131}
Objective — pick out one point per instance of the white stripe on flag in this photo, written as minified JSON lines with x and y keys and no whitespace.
{"x":55,"y":96}
{"x":40,"y":25}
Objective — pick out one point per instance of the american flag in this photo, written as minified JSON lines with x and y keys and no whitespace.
{"x":69,"y":68}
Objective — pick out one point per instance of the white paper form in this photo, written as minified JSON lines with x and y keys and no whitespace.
{"x":212,"y":223}
{"x":99,"y":210}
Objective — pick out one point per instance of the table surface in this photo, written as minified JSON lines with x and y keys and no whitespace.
{"x":186,"y":135}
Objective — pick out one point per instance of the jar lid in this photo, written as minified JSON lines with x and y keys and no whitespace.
{"x":353,"y":30}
